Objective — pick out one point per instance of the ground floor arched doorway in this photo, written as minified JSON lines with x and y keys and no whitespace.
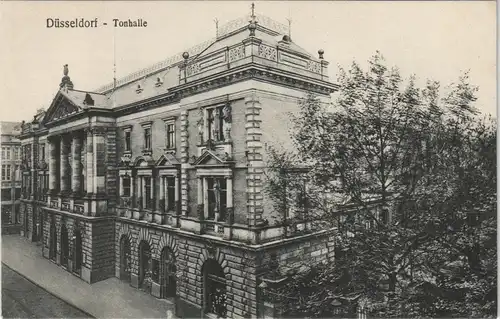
{"x":168,"y":271}
{"x":214,"y":289}
{"x":125,"y":258}
{"x":78,"y":252}
{"x":64,"y":246}
{"x":53,"y":240}
{"x":144,"y":265}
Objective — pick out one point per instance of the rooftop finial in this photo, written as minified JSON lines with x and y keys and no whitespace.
{"x":289,"y":28}
{"x":66,"y":81}
{"x":216,"y":27}
{"x":253,"y":11}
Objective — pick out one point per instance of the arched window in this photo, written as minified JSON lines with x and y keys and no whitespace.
{"x":125,"y":258}
{"x":64,"y":246}
{"x":167,"y":276}
{"x":214,"y":288}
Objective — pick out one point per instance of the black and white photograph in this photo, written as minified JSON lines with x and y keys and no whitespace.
{"x":239,"y":159}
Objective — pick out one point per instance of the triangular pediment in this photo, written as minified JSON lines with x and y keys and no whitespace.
{"x":167,"y":159}
{"x":210,"y":158}
{"x":60,"y":108}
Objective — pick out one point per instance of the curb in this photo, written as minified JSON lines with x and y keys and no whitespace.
{"x":50,"y":292}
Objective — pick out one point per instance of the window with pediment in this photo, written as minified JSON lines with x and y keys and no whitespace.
{"x":217,"y":197}
{"x":215,"y":124}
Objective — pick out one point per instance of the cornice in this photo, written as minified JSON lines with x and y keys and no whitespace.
{"x":176,"y":94}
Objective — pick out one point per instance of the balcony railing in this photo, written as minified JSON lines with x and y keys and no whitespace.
{"x":78,"y":209}
{"x":65,"y":205}
{"x":138,"y":203}
{"x":54,"y":203}
{"x":126,"y":202}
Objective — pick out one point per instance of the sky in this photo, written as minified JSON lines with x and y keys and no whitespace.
{"x":434,"y":40}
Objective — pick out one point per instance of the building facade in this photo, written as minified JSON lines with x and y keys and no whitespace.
{"x":11,"y":182}
{"x":157,"y":178}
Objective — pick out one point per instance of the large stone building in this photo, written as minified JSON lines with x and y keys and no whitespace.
{"x":11,"y":183}
{"x":158,"y":178}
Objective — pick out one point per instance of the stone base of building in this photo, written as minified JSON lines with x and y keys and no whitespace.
{"x":186,"y":309}
{"x":11,"y":229}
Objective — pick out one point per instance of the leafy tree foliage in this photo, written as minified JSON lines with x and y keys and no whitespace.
{"x":408,"y":177}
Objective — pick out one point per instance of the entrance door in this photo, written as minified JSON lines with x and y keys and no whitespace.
{"x":64,"y":246}
{"x":144,"y":264}
{"x":53,"y":241}
{"x":77,"y":268}
{"x":168,"y":279}
{"x":125,"y":259}
{"x":34,"y":236}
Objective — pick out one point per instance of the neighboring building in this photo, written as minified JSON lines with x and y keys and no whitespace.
{"x":157,"y":179}
{"x":11,"y":182}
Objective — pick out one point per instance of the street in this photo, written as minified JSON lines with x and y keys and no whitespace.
{"x":23,"y":299}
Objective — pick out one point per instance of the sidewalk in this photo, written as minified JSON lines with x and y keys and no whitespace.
{"x":109,"y":298}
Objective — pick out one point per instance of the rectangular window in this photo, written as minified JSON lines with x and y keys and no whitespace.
{"x":217,"y":197}
{"x":6,"y":194}
{"x":42,"y":153}
{"x":8,"y":173}
{"x":171,"y":135}
{"x":7,"y":157}
{"x":170,"y":193}
{"x":127,"y":141}
{"x":384,"y":216}
{"x":147,"y":138}
{"x":3,"y":153}
{"x":4,"y":172}
{"x":215,"y":119}
{"x":147,"y":193}
{"x":126,"y":186}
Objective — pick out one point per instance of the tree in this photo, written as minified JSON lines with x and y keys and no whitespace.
{"x":404,"y":175}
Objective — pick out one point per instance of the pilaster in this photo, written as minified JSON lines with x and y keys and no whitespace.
{"x":254,"y":158}
{"x":184,"y":137}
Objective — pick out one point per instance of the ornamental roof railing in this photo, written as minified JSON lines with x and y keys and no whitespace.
{"x":223,"y":31}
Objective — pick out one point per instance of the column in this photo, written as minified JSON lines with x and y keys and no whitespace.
{"x":132,"y":196}
{"x":99,"y":160}
{"x":176,"y":192}
{"x":201,"y":210}
{"x":76,"y":148}
{"x":52,"y":165}
{"x":163,"y":201}
{"x":121,"y":186}
{"x":90,"y":162}
{"x":64,"y":168}
{"x":143,"y":192}
{"x":152,"y":192}
{"x":229,"y":200}
{"x":205,"y":198}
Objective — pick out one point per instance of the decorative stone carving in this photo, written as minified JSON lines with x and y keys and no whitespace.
{"x":267,"y":52}
{"x":64,"y":110}
{"x":226,"y":113}
{"x":236,"y":53}
{"x":314,"y":67}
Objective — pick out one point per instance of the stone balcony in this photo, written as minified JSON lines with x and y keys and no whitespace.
{"x":85,"y":205}
{"x":132,"y":208}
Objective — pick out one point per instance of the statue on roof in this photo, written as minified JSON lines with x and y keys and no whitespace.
{"x":66,"y":70}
